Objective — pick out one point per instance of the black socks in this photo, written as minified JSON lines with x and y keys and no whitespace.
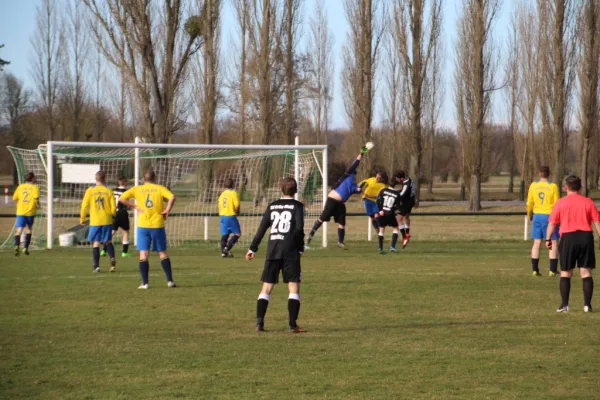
{"x":565,"y":289}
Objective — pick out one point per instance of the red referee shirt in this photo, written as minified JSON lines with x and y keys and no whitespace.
{"x":574,"y":212}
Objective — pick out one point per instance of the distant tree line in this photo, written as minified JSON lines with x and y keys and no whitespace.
{"x":115,"y":69}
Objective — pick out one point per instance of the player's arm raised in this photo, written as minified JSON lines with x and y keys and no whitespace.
{"x":265,"y":223}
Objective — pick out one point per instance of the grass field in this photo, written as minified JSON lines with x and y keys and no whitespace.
{"x":440,"y":321}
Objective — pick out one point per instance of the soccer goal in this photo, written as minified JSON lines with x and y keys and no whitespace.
{"x":196,"y":174}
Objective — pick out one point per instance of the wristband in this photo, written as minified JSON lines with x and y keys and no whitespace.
{"x":548,"y":240}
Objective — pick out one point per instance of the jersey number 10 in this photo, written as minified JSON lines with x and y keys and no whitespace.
{"x":281,"y":221}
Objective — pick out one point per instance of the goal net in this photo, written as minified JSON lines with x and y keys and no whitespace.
{"x":196,"y":174}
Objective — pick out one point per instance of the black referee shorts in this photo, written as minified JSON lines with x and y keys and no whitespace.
{"x":121,"y":221}
{"x":290,"y":269}
{"x":577,"y":250}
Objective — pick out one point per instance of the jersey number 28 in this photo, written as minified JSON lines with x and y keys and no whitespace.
{"x":281,"y":221}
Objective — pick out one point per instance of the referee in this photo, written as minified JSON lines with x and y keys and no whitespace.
{"x":575,"y":214}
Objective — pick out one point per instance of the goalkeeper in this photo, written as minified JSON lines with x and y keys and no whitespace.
{"x":335,"y":205}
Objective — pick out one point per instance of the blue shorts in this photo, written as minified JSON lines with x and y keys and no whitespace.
{"x":539,"y":227}
{"x":157,"y":237}
{"x":371,"y":208}
{"x":102,"y":233}
{"x":23,"y":221}
{"x":230,"y":225}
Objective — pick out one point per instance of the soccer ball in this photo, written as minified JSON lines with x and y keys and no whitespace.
{"x":370,"y":145}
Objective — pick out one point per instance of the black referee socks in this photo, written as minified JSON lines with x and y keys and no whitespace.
{"x":565,"y":289}
{"x":261,"y":308}
{"x":293,"y":308}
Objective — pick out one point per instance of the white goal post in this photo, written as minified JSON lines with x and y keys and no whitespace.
{"x":196,"y":173}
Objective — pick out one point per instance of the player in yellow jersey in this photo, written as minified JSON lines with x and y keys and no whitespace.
{"x":229,"y":208}
{"x":541,"y":198}
{"x":371,"y":187}
{"x":100,"y":202}
{"x":150,"y":203}
{"x":27,"y":196}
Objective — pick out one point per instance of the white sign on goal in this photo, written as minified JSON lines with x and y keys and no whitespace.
{"x":79,"y":173}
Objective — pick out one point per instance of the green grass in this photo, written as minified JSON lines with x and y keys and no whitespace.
{"x":439,"y":321}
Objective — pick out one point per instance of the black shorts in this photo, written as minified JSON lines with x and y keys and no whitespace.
{"x":336,"y":209}
{"x":577,"y":249}
{"x":121,"y":221}
{"x":290,"y":269}
{"x":388,"y":220}
{"x":406,"y":207}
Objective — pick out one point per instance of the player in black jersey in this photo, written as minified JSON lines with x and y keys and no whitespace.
{"x":407,"y":202}
{"x":121,"y":219}
{"x":388,"y":202}
{"x":285,"y":218}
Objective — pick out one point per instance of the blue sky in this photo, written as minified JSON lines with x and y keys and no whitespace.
{"x":17,"y":24}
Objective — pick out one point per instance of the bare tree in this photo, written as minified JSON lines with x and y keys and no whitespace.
{"x":266,"y":66}
{"x":360,"y":53}
{"x":211,"y":34}
{"x":242,"y":12}
{"x":393,"y":111}
{"x":149,"y":41}
{"x":436,"y":96}
{"x":589,"y":37}
{"x":75,"y":88}
{"x":15,"y":102}
{"x":557,"y":57}
{"x":292,"y":21}
{"x":513,"y":91}
{"x":474,"y":81}
{"x":416,"y":41}
{"x":47,"y":43}
{"x":524,"y":82}
{"x":320,"y":50}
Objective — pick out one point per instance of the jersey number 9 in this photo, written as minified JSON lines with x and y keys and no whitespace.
{"x":149,"y":203}
{"x":542,"y":196}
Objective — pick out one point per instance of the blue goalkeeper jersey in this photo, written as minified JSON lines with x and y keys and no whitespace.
{"x":347,"y":187}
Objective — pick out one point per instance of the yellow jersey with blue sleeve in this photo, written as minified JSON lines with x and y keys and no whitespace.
{"x":371,"y":189}
{"x":100,"y":202}
{"x":229,"y":203}
{"x":541,"y":198}
{"x":150,"y":199}
{"x":27,"y":197}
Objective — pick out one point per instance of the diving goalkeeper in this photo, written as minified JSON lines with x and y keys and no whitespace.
{"x":335,"y":205}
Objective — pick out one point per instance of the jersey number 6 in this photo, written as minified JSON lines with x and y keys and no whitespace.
{"x":149,"y":203}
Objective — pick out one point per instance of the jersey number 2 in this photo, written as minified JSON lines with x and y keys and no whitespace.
{"x":281,"y":221}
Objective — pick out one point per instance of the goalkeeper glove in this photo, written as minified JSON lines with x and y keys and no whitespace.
{"x":364,"y":150}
